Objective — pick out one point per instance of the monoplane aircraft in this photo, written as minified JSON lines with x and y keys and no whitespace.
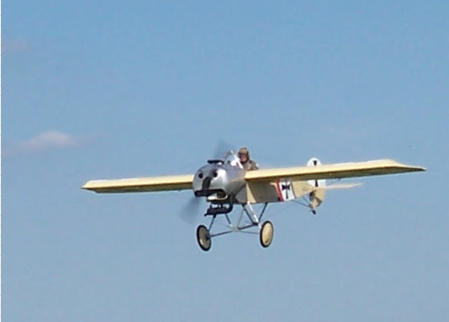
{"x":225,"y":184}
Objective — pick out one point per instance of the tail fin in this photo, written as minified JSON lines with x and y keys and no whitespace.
{"x":313,"y":162}
{"x":316,"y":196}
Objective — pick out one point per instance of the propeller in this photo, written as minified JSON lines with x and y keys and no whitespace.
{"x":195,"y":207}
{"x":192,"y":210}
{"x":222,"y":149}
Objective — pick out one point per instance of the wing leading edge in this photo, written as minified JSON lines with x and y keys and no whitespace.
{"x":332,"y":171}
{"x":166,"y":183}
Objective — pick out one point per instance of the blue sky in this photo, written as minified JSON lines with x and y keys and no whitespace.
{"x":108,"y":89}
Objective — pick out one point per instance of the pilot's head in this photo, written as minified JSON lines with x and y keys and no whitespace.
{"x":243,"y":155}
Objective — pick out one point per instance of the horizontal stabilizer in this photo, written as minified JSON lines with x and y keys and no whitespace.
{"x":340,"y":186}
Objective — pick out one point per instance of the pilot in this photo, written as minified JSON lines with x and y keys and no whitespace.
{"x":245,"y":160}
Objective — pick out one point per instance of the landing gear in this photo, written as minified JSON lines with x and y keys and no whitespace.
{"x":203,"y":237}
{"x":266,"y":234}
{"x":248,"y":222}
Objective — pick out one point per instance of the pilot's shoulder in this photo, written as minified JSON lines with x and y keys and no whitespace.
{"x":253,"y":165}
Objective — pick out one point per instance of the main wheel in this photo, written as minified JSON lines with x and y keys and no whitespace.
{"x":203,"y":238}
{"x":266,"y":234}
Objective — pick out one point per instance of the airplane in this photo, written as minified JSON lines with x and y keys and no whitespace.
{"x":225,"y":184}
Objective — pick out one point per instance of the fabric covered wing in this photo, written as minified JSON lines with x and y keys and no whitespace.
{"x":332,"y":171}
{"x":165,"y":183}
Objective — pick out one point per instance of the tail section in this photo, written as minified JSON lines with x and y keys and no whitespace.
{"x":316,"y":196}
{"x":319,"y":187}
{"x":313,"y":162}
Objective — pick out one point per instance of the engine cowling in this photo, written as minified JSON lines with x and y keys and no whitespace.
{"x":218,"y":181}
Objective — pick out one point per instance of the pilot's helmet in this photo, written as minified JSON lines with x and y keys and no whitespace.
{"x":244,"y":151}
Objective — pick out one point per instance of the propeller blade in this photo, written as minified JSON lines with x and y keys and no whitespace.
{"x":222,"y":148}
{"x":191,"y":211}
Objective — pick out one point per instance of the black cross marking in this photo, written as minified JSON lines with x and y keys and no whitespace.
{"x":287,"y":188}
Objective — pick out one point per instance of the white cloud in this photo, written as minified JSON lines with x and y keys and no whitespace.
{"x":49,"y":140}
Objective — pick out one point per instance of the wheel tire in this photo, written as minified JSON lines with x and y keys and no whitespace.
{"x":203,"y":238}
{"x":266,"y":234}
